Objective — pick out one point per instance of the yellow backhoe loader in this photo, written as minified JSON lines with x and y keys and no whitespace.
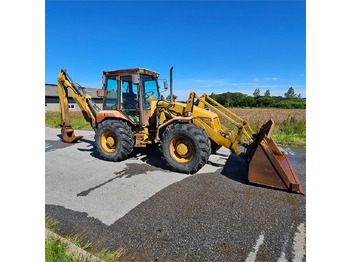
{"x":135,"y":114}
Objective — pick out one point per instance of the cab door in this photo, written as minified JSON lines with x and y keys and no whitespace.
{"x":149,"y":92}
{"x":110,"y":101}
{"x":129,"y":99}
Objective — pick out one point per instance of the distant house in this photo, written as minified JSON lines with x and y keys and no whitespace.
{"x":52,"y":100}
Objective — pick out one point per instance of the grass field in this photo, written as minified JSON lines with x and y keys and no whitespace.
{"x":290,"y":123}
{"x":77,"y":121}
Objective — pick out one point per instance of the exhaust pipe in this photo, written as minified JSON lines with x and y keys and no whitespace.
{"x":171,"y":85}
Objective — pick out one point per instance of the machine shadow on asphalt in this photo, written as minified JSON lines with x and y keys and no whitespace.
{"x":236,"y":169}
{"x":149,"y":155}
{"x":91,"y":148}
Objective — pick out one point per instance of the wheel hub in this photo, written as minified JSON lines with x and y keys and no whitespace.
{"x":110,"y":141}
{"x":181,"y":149}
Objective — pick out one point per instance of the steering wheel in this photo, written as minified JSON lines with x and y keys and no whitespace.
{"x":112,"y":105}
{"x":148,"y":94}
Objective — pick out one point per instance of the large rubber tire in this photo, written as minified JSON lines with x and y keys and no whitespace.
{"x":197,"y":149}
{"x":114,"y":140}
{"x":214,"y":146}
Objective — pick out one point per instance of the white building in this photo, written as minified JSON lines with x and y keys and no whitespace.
{"x":52,"y":100}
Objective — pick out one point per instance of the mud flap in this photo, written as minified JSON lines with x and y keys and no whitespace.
{"x":268,"y":165}
{"x":68,"y":135}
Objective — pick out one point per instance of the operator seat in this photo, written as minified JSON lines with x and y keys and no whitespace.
{"x":128,"y":101}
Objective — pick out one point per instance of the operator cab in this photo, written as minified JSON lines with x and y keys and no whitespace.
{"x":130,"y":91}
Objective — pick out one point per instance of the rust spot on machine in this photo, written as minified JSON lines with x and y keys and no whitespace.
{"x":268,"y":165}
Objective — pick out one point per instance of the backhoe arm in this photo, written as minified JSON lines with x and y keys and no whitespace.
{"x":89,"y":109}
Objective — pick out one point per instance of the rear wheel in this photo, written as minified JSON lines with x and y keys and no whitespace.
{"x":185,"y":148}
{"x":114,"y":140}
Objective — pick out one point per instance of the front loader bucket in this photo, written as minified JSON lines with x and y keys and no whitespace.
{"x":268,"y":165}
{"x":68,"y":135}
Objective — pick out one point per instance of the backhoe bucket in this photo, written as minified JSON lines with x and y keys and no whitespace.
{"x":68,"y":135}
{"x":268,"y":165}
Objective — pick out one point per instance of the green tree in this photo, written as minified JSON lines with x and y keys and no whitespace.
{"x":235,"y":98}
{"x":290,"y":93}
{"x":247,"y":101}
{"x":256,"y":92}
{"x":267,"y":93}
{"x":265,"y":102}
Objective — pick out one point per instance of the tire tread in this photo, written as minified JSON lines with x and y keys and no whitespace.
{"x":198,"y":135}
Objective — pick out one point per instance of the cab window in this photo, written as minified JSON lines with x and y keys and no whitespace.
{"x":111,"y":99}
{"x":129,"y":104}
{"x":149,"y":91}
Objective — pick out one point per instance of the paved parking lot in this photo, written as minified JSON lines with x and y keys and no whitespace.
{"x":153,"y":213}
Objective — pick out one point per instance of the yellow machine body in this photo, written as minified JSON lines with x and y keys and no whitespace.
{"x":268,"y":165}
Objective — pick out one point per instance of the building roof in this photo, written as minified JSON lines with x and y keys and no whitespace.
{"x":51,"y":91}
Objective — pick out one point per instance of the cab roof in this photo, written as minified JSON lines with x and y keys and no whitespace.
{"x":131,"y":71}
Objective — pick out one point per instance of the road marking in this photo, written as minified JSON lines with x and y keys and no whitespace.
{"x":252,"y":255}
{"x":299,"y":243}
{"x":288,"y":151}
{"x":282,"y":257}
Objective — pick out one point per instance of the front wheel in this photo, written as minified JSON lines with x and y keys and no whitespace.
{"x":185,"y":148}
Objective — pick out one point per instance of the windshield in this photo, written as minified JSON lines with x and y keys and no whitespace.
{"x":149,"y":88}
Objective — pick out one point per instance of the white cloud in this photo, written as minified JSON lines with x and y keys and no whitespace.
{"x":218,"y":81}
{"x":242,"y":84}
{"x":267,"y":86}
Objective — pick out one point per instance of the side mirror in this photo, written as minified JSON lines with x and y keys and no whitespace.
{"x":101,"y":92}
{"x":135,"y":79}
{"x":165,"y":85}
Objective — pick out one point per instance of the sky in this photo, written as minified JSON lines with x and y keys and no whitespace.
{"x":235,"y":46}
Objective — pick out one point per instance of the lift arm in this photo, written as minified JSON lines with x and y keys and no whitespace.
{"x":89,"y":109}
{"x":267,"y":164}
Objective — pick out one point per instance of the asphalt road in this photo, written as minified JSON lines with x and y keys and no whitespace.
{"x":159,"y":215}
